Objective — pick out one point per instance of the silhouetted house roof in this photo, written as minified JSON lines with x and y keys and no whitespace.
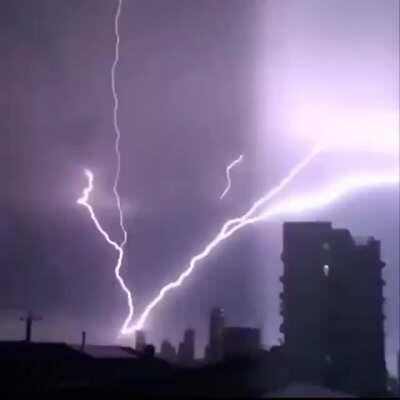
{"x":115,"y":352}
{"x":298,"y":389}
{"x":38,"y":351}
{"x":57,"y":366}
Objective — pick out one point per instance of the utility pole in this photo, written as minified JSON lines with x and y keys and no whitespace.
{"x":30,"y":317}
{"x":83,"y":341}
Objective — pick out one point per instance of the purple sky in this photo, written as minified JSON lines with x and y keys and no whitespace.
{"x":199,"y":82}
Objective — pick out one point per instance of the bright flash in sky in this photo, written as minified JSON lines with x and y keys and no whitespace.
{"x":359,"y":130}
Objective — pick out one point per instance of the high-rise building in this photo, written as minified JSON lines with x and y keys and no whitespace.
{"x":167,"y":351}
{"x":332,"y":307}
{"x":241,"y":341}
{"x":186,"y":348}
{"x":140,"y":340}
{"x":217,"y":324}
{"x":180,"y":352}
{"x":189,"y":343}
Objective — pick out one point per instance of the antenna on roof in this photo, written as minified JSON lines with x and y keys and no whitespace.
{"x":29,"y":319}
{"x":83,"y":342}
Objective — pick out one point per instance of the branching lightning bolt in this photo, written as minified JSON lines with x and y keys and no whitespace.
{"x":316,"y":150}
{"x":230,"y":226}
{"x":258,"y":212}
{"x":292,"y":205}
{"x":84,"y":199}
{"x":228,"y":175}
{"x":224,"y":231}
{"x":223,"y":234}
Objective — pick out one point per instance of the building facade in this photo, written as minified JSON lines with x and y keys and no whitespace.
{"x":140,"y":340}
{"x":216,"y":329}
{"x":332,"y":308}
{"x":187,"y":348}
{"x":167,"y":351}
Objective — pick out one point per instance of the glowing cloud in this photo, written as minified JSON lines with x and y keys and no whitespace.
{"x":361,"y":130}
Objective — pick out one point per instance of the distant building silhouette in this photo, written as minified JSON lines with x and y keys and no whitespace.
{"x":180,"y":352}
{"x":187,"y":348}
{"x":140,"y":340}
{"x":398,"y":372}
{"x":241,"y":341}
{"x":217,"y":324}
{"x":167,"y":351}
{"x":149,"y":351}
{"x":332,"y":308}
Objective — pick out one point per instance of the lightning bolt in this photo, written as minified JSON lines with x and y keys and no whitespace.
{"x":293,"y":205}
{"x":258,"y":212}
{"x":118,"y":168}
{"x":220,"y":236}
{"x":116,"y":125}
{"x":228,"y":175}
{"x":84,"y":199}
{"x":316,"y":150}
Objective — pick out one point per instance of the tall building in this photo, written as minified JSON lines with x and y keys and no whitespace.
{"x":332,"y":305}
{"x":217,"y":325}
{"x":180,"y":352}
{"x":189,"y":343}
{"x":241,"y":341}
{"x":167,"y":351}
{"x":187,"y":348}
{"x":140,"y":340}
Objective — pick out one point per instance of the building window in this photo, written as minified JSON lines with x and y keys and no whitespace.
{"x":328,"y":359}
{"x":326,"y":246}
